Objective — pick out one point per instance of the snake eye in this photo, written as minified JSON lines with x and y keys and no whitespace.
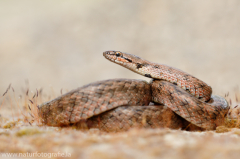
{"x":118,"y":54}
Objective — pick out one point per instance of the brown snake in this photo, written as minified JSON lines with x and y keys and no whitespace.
{"x":123,"y":103}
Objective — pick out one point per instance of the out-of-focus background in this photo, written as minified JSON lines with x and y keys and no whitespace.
{"x":58,"y":44}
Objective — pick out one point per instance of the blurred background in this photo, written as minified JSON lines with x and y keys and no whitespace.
{"x":57,"y":45}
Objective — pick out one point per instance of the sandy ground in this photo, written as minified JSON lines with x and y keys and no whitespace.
{"x":56,"y":46}
{"x":154,"y":143}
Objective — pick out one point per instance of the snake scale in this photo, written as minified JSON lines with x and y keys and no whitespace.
{"x":119,"y":104}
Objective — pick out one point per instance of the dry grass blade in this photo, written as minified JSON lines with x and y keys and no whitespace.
{"x":7,"y":90}
{"x":31,"y":101}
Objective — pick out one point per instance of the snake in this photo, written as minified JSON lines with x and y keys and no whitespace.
{"x":170,"y":97}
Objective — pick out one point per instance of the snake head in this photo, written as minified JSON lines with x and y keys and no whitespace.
{"x":115,"y":56}
{"x":120,"y":57}
{"x":129,"y":61}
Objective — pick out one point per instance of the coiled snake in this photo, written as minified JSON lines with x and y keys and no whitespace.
{"x":118,"y":104}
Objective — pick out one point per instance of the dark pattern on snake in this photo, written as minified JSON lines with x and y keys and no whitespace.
{"x":88,"y":103}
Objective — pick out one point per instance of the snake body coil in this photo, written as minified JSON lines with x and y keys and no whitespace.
{"x":122,"y":103}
